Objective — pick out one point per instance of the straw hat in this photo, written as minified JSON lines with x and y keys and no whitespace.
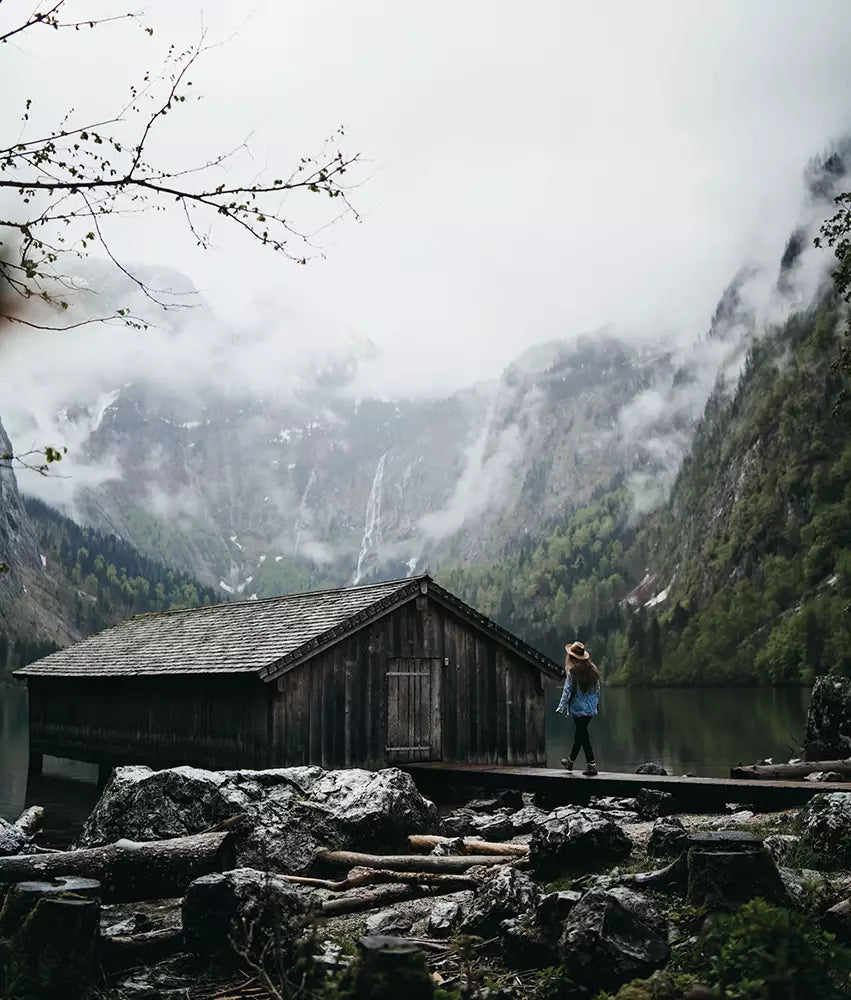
{"x":578,"y":651}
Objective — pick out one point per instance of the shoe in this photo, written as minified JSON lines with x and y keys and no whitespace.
{"x":567,"y":763}
{"x":590,"y":769}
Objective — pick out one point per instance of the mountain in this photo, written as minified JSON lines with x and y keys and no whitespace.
{"x":63,"y":581}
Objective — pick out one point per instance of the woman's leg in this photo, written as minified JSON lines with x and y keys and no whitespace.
{"x":586,"y":741}
{"x":580,"y":737}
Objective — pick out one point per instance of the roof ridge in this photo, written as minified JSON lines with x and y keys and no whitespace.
{"x":278,"y":597}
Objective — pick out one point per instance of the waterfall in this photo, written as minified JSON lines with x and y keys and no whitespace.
{"x":372,"y":520}
{"x":301,"y":518}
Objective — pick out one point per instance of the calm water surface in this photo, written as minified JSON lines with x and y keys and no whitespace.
{"x":698,"y":731}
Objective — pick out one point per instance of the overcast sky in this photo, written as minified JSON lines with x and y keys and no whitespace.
{"x":534,"y":170}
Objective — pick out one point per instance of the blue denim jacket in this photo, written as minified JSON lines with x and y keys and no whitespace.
{"x":574,"y":702}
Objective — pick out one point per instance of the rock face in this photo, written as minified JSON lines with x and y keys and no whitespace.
{"x":668,"y":838}
{"x":611,"y":937}
{"x":504,"y":893}
{"x":580,"y":837}
{"x":650,"y":768}
{"x":828,"y":735}
{"x":229,"y":912}
{"x":288,"y":813}
{"x":826,"y":825}
{"x":12,"y":839}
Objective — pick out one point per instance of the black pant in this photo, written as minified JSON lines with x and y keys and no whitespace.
{"x":581,"y":738}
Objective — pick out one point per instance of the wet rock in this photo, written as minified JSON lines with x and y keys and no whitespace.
{"x":220,"y":911}
{"x":668,"y":838}
{"x":828,"y":734}
{"x":611,"y":937}
{"x":446,"y":914}
{"x":826,"y":825}
{"x":390,"y":921}
{"x":465,"y":823}
{"x":12,"y":839}
{"x":650,"y":768}
{"x":288,"y":812}
{"x":781,"y":846}
{"x":526,"y":819}
{"x":504,"y":893}
{"x":651,"y":803}
{"x":581,"y":837}
{"x":837,"y":920}
{"x":807,"y":889}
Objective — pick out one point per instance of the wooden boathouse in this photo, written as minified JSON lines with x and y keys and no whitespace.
{"x":395,"y":672}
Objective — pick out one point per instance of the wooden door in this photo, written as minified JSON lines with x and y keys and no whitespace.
{"x":413,"y":709}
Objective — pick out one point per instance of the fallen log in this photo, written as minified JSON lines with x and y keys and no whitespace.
{"x":790,"y":772}
{"x":410,"y":862}
{"x":371,"y":876}
{"x":470,"y":845}
{"x":130,"y":871}
{"x":30,"y":820}
{"x":373,"y":899}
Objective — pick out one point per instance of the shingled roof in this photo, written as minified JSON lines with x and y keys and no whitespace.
{"x":263,"y":637}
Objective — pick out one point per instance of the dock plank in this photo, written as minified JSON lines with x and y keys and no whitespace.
{"x":556,"y":786}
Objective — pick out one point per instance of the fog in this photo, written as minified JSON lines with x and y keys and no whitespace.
{"x":529,"y":174}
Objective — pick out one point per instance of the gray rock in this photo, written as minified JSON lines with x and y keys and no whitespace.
{"x":837,"y":920}
{"x":668,"y":838}
{"x":652,"y":803}
{"x":289,"y":812}
{"x":466,"y":823}
{"x":504,"y":893}
{"x":781,"y":846}
{"x":555,"y":907}
{"x":807,"y":889}
{"x":390,"y":921}
{"x":452,"y":847}
{"x":221,"y":911}
{"x":579,"y":837}
{"x":507,"y":799}
{"x":446,"y":914}
{"x":650,"y":768}
{"x":828,"y":734}
{"x":526,"y":819}
{"x":826,"y":825}
{"x":824,"y":776}
{"x":611,"y":937}
{"x":527,"y":944}
{"x":12,"y":839}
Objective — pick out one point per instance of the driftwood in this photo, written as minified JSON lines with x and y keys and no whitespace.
{"x":409,"y":862}
{"x":676,"y":873}
{"x":791,"y":772}
{"x":123,"y":951}
{"x":359,"y":877}
{"x":469,"y":844}
{"x":372,"y":899}
{"x":130,"y":871}
{"x":30,"y":820}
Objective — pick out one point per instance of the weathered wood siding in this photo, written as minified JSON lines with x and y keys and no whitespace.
{"x":333,"y":709}
{"x":207,"y":720}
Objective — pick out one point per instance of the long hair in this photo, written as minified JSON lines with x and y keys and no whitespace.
{"x":584,"y":673}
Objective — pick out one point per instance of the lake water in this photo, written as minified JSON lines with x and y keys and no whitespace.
{"x":688,"y":731}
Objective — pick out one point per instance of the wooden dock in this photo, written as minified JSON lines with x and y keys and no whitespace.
{"x":555,"y":786}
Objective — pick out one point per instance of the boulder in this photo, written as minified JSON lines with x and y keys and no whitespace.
{"x":504,"y":893}
{"x":393,"y":920}
{"x":288,"y":812}
{"x":507,"y":799}
{"x":828,"y":733}
{"x":781,"y":846}
{"x":611,"y":937}
{"x":824,"y":776}
{"x":807,"y":889}
{"x":12,"y":839}
{"x":651,"y":803}
{"x":228,"y":913}
{"x":826,"y":825}
{"x":526,"y":819}
{"x":489,"y":826}
{"x":446,"y":914}
{"x":668,"y":838}
{"x":579,"y":837}
{"x":837,"y":920}
{"x":650,"y":768}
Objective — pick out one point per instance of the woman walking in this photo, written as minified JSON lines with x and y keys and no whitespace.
{"x":580,"y":699}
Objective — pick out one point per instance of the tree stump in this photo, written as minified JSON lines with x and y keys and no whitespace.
{"x":52,"y":949}
{"x":388,"y":968}
{"x":723,"y":879}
